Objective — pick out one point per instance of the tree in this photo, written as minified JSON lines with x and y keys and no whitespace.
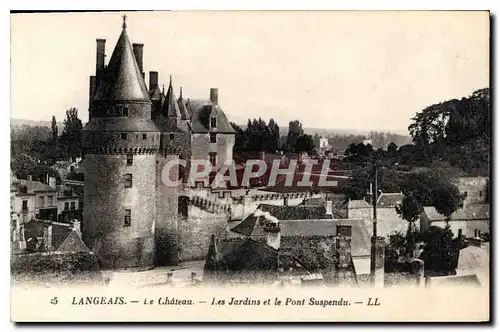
{"x":410,"y":209}
{"x":305,"y":143}
{"x":54,"y":129}
{"x":294,"y":132}
{"x":457,"y":131}
{"x":72,"y":134}
{"x":440,"y":254}
{"x":275,"y":135}
{"x":447,"y":199}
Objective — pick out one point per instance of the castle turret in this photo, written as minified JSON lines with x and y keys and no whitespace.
{"x":120,"y":144}
{"x":175,"y":144}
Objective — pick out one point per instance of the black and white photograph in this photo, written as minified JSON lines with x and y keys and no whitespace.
{"x":303,"y":165}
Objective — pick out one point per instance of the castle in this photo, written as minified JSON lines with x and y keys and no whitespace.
{"x":130,"y":218}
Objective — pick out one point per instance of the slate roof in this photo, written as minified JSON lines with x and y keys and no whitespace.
{"x":360,"y":239}
{"x":200,"y":117}
{"x":389,"y":200}
{"x":170,"y":107}
{"x":290,"y":212}
{"x":185,"y":115}
{"x":469,"y":212}
{"x":240,"y":255}
{"x":73,"y":243}
{"x":358,"y":204}
{"x":32,"y":187}
{"x":64,"y":191}
{"x":122,"y":80}
{"x":60,"y":232}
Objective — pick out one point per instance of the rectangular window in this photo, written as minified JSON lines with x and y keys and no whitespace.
{"x":125,"y":111}
{"x":213,"y":158}
{"x":344,"y":231}
{"x":171,"y":137}
{"x":480,"y":194}
{"x":25,"y":205}
{"x":130,"y":160}
{"x":213,"y":137}
{"x":50,"y":201}
{"x":213,"y":122}
{"x":144,"y":136}
{"x":66,"y":206}
{"x":123,"y":135}
{"x":128,"y":218}
{"x":128,"y":180}
{"x":73,"y":205}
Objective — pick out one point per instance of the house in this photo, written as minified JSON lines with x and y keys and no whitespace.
{"x":269,"y":259}
{"x":299,"y":223}
{"x":388,"y":221}
{"x":65,"y":168}
{"x":69,"y":204}
{"x":475,"y":189}
{"x":33,"y":200}
{"x":472,"y":221}
{"x":43,"y":236}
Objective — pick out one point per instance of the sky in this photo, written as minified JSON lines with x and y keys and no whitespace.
{"x":343,"y":70}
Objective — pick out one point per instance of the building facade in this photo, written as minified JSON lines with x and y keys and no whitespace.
{"x":130,"y":216}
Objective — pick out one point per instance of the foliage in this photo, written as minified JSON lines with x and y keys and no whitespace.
{"x":72,"y":135}
{"x":410,"y":210}
{"x":440,"y":253}
{"x":447,"y":199}
{"x":458,"y":131}
{"x":35,"y":148}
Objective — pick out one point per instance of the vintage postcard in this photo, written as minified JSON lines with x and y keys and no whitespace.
{"x":284,"y":166}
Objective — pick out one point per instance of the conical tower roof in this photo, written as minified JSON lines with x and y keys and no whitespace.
{"x":182,"y":106}
{"x":170,"y":107}
{"x":122,"y":79}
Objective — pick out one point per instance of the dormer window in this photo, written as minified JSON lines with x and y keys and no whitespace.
{"x":213,"y":122}
{"x":125,"y":111}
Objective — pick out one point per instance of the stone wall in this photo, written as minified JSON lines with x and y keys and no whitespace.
{"x":201,"y":146}
{"x":388,"y":221}
{"x":196,"y":230}
{"x":166,"y":220}
{"x":105,"y":202}
{"x":476,"y":189}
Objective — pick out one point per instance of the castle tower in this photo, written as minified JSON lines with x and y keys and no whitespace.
{"x":175,"y":141}
{"x":120,"y":144}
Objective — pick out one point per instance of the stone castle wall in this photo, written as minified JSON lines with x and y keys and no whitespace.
{"x":106,"y":198}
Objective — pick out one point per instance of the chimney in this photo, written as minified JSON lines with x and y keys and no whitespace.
{"x":138,"y":51}
{"x":476,"y":242}
{"x":273,"y":235}
{"x":214,"y":96}
{"x":47,"y":237}
{"x":378,"y":256}
{"x":77,"y":227}
{"x":100,"y":55}
{"x":153,"y":80}
{"x":52,"y":182}
{"x":329,"y":207}
{"x":418,"y":271}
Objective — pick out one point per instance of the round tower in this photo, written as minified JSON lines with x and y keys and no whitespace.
{"x":120,"y":143}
